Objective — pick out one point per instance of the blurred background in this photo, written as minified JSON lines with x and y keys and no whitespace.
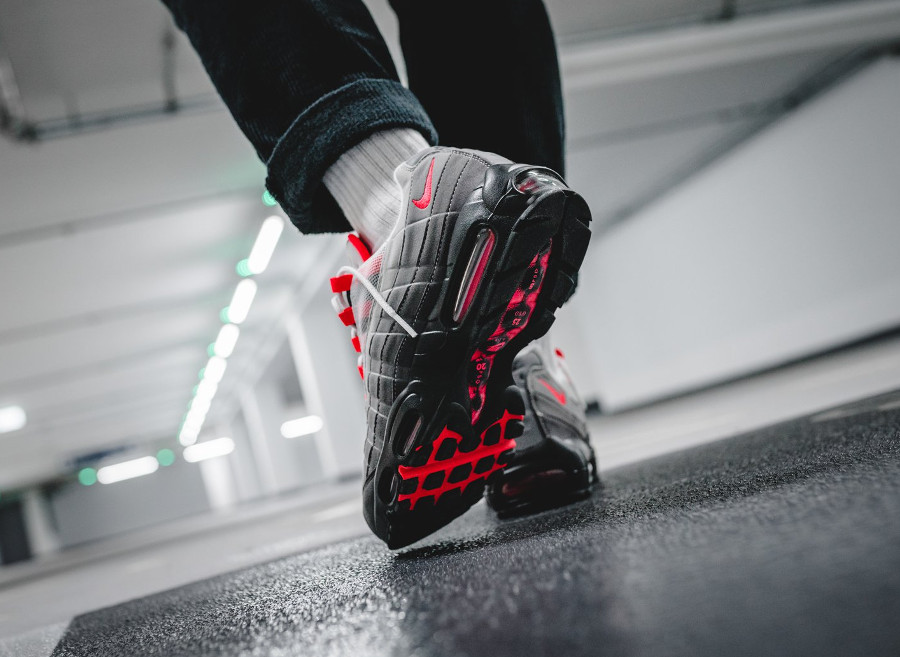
{"x":169,"y":358}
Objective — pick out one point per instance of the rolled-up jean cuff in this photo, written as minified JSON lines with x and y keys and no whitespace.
{"x":322,"y":133}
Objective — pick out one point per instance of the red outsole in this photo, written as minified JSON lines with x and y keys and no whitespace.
{"x":499,"y":455}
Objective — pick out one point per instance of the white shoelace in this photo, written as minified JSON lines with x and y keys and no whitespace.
{"x":380,"y":300}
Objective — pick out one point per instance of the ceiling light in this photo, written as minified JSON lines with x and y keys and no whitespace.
{"x":127,"y":470}
{"x":228,"y":336}
{"x":215,"y":369}
{"x":188,"y":435}
{"x":200,"y":405}
{"x":166,"y":457}
{"x":191,"y":426}
{"x":243,"y":269}
{"x":12,"y":418}
{"x":87,"y":476}
{"x":206,"y":389}
{"x":240,"y":303}
{"x":208,"y":450}
{"x":195,"y":419}
{"x":302,"y":426}
{"x":264,"y":247}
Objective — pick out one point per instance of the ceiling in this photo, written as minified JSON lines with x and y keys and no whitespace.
{"x":119,"y":232}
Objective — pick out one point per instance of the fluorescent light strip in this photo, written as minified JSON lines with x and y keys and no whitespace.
{"x":200,"y":406}
{"x":12,"y":418}
{"x":127,"y":470}
{"x":264,"y":247}
{"x":215,"y":369}
{"x":208,"y":450}
{"x":195,"y":419}
{"x":244,"y":293}
{"x":206,"y":389}
{"x":188,"y":435}
{"x":302,"y":426}
{"x":228,"y":337}
{"x":241,"y":301}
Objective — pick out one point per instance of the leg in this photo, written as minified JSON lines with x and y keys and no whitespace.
{"x":477,"y":255}
{"x":305,"y":80}
{"x":488,"y":75}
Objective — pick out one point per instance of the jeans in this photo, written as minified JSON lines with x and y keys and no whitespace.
{"x":308,"y":79}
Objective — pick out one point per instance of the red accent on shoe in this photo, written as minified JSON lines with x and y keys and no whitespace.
{"x":447,"y":466}
{"x":341,"y":283}
{"x":358,"y":347}
{"x":361,"y":375}
{"x":360,"y":246}
{"x":477,"y":276}
{"x":425,"y":199}
{"x":513,"y":321}
{"x":346,"y":316}
{"x":560,"y":396}
{"x":559,"y":352}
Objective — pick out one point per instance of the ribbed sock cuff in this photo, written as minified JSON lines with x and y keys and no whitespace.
{"x":362,"y":181}
{"x":325,"y":131}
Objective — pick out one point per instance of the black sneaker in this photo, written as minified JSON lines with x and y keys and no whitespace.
{"x":482,"y":255}
{"x":554,"y":462}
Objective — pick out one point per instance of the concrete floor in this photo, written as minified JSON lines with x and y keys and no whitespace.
{"x":784,"y":541}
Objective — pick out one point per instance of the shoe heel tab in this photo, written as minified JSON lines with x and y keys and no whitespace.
{"x":497,"y":184}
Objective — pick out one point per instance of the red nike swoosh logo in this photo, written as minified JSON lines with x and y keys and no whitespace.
{"x":560,"y":396}
{"x":423,"y":202}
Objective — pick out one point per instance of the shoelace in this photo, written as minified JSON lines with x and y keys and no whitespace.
{"x":380,"y":300}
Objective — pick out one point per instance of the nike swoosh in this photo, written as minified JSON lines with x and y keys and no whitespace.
{"x":560,"y":396}
{"x":423,"y":202}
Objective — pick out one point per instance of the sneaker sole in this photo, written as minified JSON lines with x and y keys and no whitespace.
{"x":558,"y":475}
{"x":453,"y":427}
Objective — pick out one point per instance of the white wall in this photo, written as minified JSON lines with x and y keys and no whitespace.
{"x":89,"y":513}
{"x":784,"y":247}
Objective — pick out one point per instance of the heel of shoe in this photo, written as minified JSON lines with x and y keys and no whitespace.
{"x":426,"y":478}
{"x":559,"y":473}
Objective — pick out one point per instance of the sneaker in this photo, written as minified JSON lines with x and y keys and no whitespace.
{"x":554,"y":462}
{"x":482,"y":255}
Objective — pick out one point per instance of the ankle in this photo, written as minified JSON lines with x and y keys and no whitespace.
{"x":362,"y":181}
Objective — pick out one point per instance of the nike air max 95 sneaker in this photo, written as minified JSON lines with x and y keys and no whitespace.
{"x":554,"y":462}
{"x":482,"y":255}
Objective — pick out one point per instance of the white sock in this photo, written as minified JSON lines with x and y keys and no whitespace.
{"x":362,"y":181}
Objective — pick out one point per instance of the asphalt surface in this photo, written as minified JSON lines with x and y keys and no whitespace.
{"x":785,"y":541}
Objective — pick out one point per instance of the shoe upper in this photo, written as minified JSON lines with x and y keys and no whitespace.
{"x":553,"y":405}
{"x":410,"y":274}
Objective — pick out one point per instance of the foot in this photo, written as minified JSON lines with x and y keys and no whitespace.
{"x":483,"y":253}
{"x":554,"y":463}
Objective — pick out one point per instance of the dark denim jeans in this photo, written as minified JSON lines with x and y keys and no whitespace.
{"x":307,"y":79}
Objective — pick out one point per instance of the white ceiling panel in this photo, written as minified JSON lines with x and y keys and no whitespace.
{"x":79,"y":348}
{"x":753,"y":6}
{"x":96,"y":55}
{"x":614,"y":111}
{"x":126,"y":268}
{"x":617,"y":176}
{"x":124,"y":169}
{"x":579,"y":19}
